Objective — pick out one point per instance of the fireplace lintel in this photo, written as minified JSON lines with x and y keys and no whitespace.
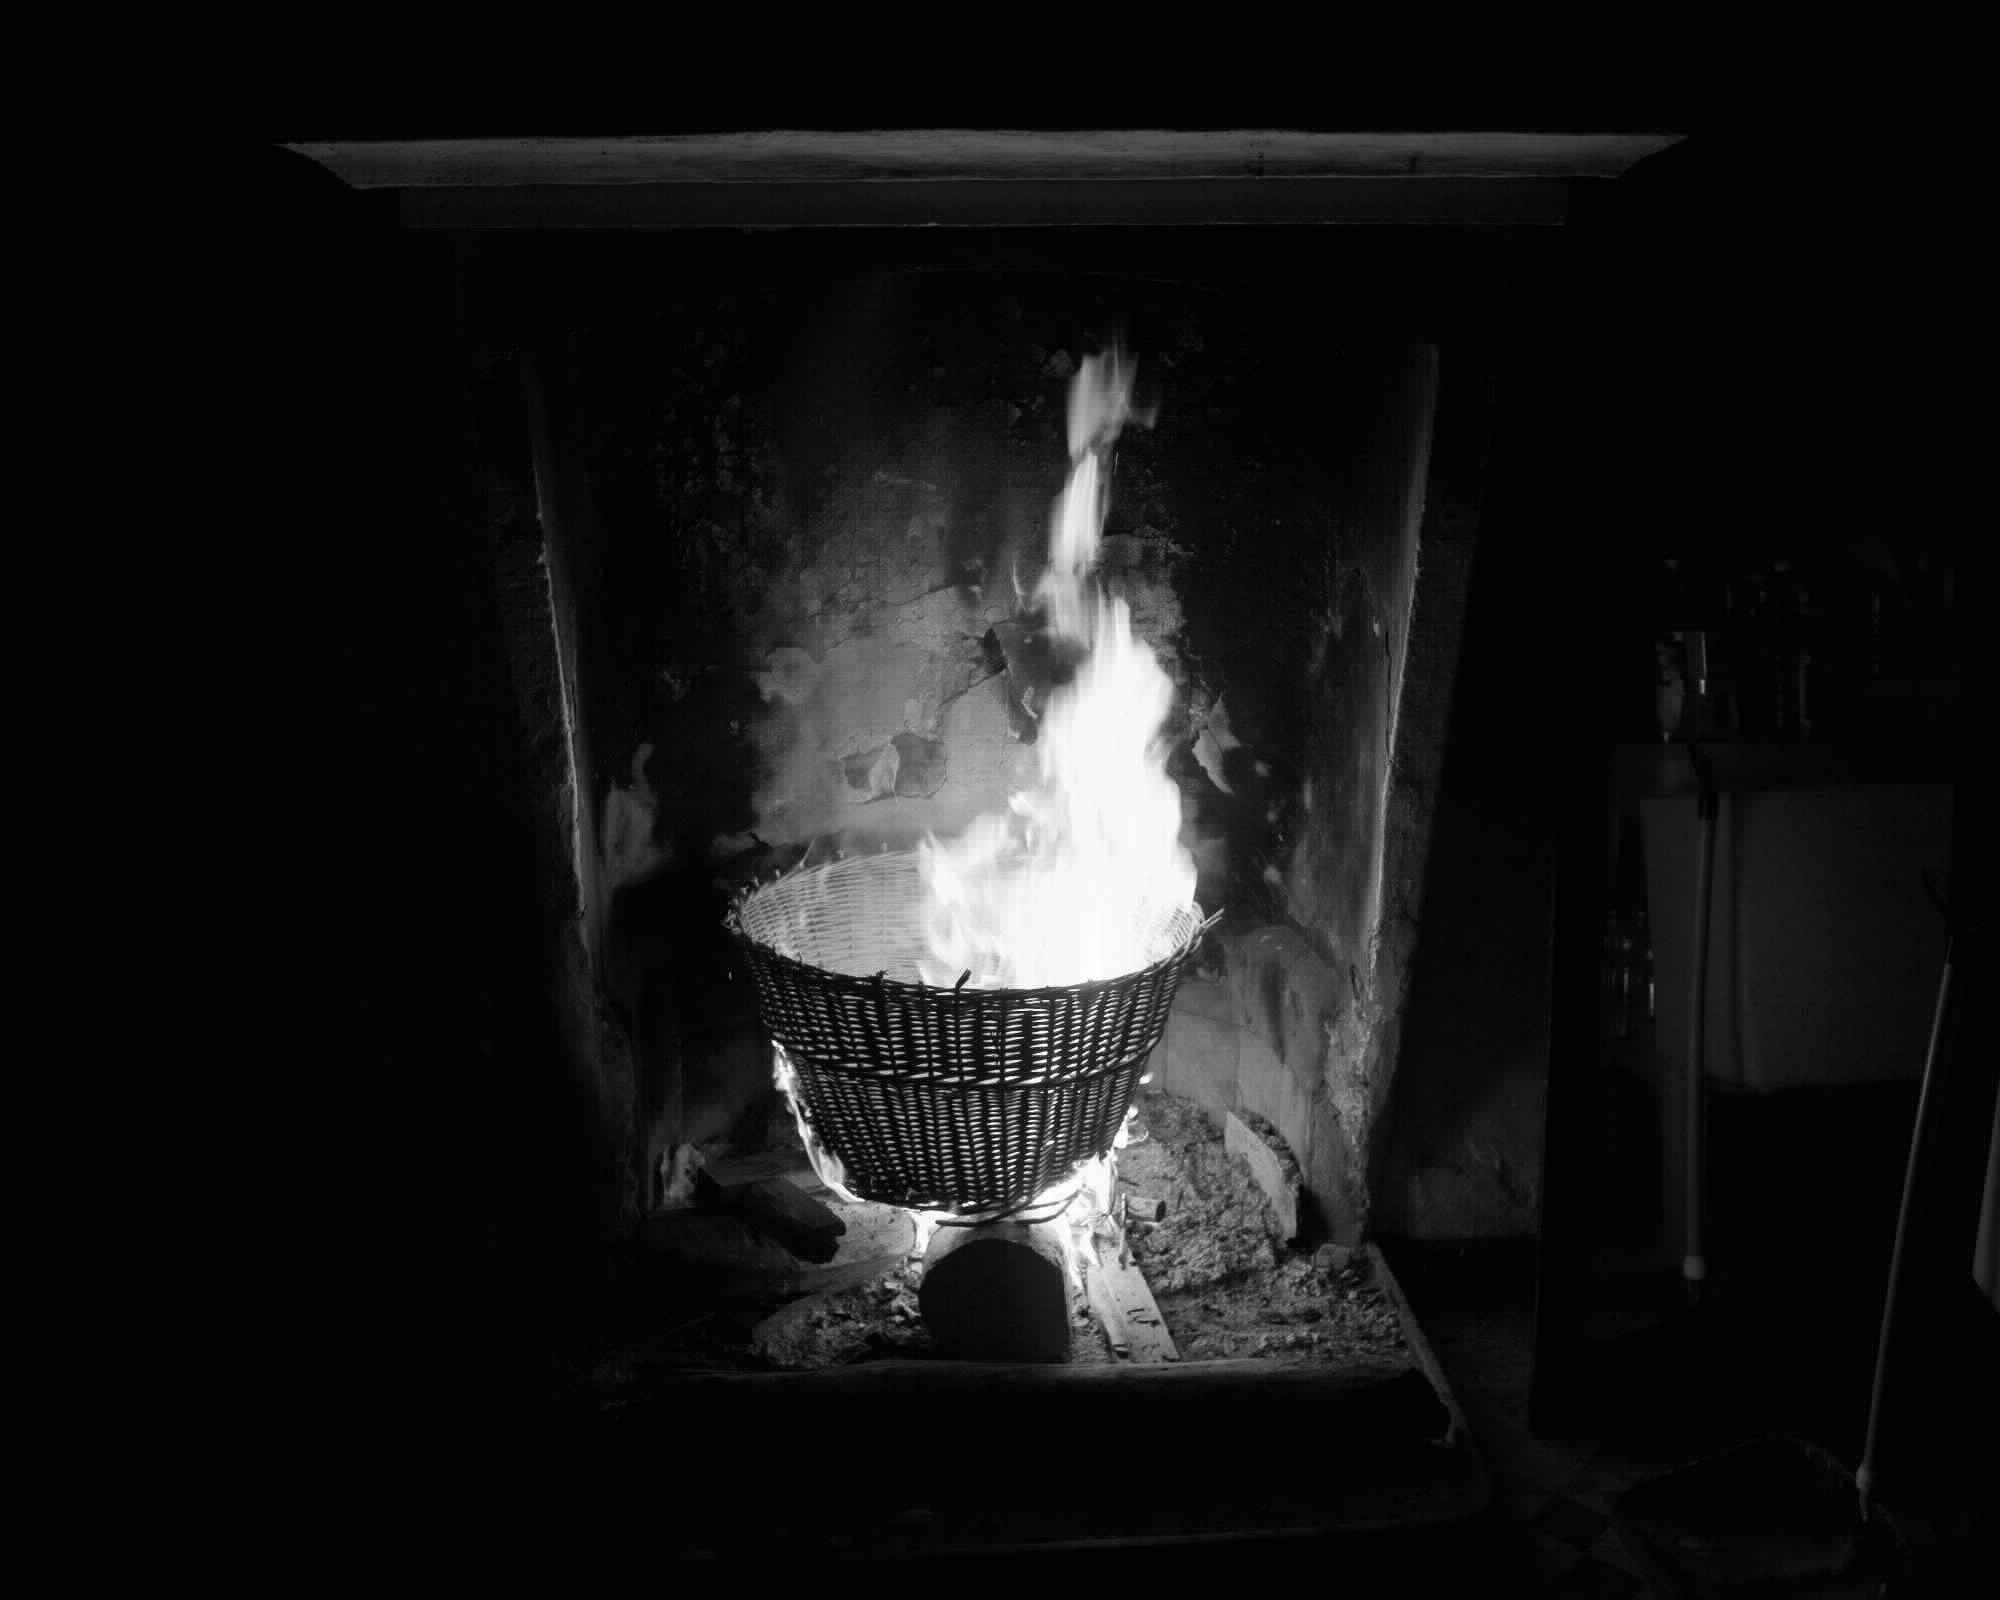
{"x":987,"y":177}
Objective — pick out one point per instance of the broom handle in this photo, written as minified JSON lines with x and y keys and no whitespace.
{"x":1864,"y":1475}
{"x":1694,"y":1266}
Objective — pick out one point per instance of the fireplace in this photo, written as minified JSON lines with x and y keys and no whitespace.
{"x":805,"y":501}
{"x":764,"y":511}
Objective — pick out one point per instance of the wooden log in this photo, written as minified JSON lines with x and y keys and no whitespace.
{"x":732,"y":1172}
{"x":997,"y":1292}
{"x":720,"y":1253}
{"x":714,"y":1247}
{"x":778,"y":1210}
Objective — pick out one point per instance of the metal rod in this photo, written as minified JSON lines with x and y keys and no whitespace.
{"x":1694,"y":1265}
{"x":1864,"y":1475}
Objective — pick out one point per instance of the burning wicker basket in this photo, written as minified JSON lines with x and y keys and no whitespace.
{"x":971,"y":1101}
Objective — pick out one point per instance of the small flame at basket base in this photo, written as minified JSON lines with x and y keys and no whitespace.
{"x":1074,"y":1204}
{"x":1078,"y":1200}
{"x":826,"y":1165}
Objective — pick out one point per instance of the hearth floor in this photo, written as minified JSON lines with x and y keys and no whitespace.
{"x":1306,"y":1407}
{"x":1553,"y":1526}
{"x":711,"y":1293}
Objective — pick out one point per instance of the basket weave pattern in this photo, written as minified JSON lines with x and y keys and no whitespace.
{"x":961,"y":1100}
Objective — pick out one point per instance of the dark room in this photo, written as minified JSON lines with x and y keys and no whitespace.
{"x":1177,"y":852}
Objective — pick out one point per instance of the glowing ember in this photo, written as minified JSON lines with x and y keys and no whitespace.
{"x":1078,"y":879}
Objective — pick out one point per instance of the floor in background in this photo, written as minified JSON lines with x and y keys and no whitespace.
{"x":1553,"y":1517}
{"x":1552,"y":1501}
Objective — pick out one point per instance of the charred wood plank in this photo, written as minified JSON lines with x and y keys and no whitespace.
{"x":1137,"y":1314}
{"x":1104,"y":1306}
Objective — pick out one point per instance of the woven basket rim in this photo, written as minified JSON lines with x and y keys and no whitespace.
{"x":733,"y":923}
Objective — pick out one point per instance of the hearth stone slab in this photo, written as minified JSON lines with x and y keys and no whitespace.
{"x":941,"y":1460}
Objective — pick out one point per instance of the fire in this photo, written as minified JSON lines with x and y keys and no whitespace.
{"x":1077,"y":880}
{"x":827,"y":1166}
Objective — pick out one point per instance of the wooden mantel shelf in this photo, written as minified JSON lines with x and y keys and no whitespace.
{"x":979,"y":177}
{"x":986,"y":155}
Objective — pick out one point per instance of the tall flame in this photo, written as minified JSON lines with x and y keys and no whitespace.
{"x":1079,"y":878}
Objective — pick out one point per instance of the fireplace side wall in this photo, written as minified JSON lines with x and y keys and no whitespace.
{"x":1304,"y":1028}
{"x":543,"y":562}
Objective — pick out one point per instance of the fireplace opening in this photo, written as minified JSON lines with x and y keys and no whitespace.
{"x":827,"y":547}
{"x":772,"y":522}
{"x":805,"y":507}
